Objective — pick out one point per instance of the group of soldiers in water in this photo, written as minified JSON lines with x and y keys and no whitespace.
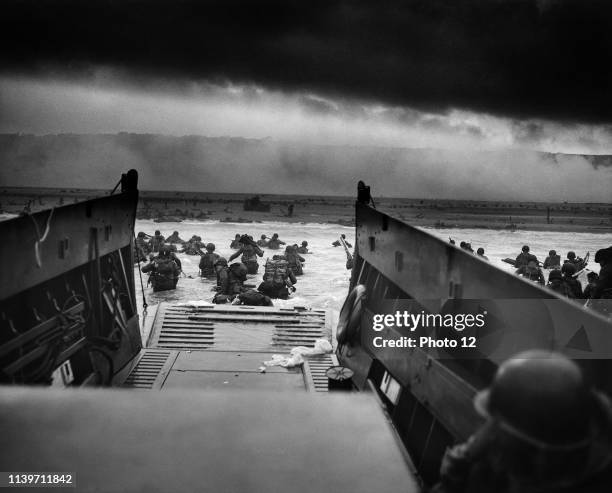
{"x":278,"y":281}
{"x":563,"y":277}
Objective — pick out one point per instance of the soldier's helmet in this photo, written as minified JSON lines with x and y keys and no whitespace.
{"x":221,"y":261}
{"x":571,"y":255}
{"x":540,"y":398}
{"x":141,"y":235}
{"x":275,"y":235}
{"x":175,"y":233}
{"x":304,"y":243}
{"x":552,"y":252}
{"x":210,"y":247}
{"x":568,"y":268}
{"x":555,"y":274}
{"x":157,"y":233}
{"x":263,"y":237}
{"x":603,"y":255}
{"x":165,"y":250}
{"x":480,"y":251}
{"x":525,"y":248}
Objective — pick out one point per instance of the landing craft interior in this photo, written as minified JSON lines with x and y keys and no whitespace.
{"x":190,"y":410}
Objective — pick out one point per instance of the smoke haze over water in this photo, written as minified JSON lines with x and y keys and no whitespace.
{"x":268,"y":166}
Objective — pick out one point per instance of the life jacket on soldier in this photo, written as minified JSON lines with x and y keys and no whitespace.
{"x":156,"y":242}
{"x":207,"y":263}
{"x":254,"y":298}
{"x":237,"y":274}
{"x":164,"y":273}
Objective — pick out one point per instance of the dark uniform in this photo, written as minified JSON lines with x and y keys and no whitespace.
{"x":208,"y":260}
{"x":164,"y":270}
{"x":546,"y":431}
{"x":577,"y":262}
{"x":568,"y":270}
{"x":156,"y":242}
{"x":275,"y":243}
{"x":174,"y":238}
{"x":254,"y":298}
{"x":294,"y":260}
{"x":338,"y":243}
{"x":558,"y":285}
{"x":235,"y":244}
{"x":249,"y":251}
{"x":232,"y":279}
{"x":553,"y":261}
{"x":590,"y":287}
{"x":603,"y":286}
{"x":532,"y":272}
{"x":141,"y":247}
{"x":303,"y":248}
{"x":524,"y":258}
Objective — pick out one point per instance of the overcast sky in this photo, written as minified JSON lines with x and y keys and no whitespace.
{"x":455,"y":74}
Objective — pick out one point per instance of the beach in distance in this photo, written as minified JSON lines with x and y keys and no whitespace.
{"x":174,"y":206}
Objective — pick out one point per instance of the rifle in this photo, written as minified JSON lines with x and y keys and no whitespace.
{"x":349,"y":257}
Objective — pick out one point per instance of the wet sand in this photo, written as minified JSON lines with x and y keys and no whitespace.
{"x":440,"y":213}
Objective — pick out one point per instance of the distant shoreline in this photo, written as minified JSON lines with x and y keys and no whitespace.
{"x":440,"y":213}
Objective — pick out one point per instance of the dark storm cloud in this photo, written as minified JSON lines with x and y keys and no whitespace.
{"x":521,"y":58}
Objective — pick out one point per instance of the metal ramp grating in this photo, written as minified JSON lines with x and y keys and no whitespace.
{"x":151,"y":369}
{"x":314,"y":371}
{"x":228,"y":327}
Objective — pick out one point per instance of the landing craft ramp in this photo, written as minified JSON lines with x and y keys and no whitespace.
{"x":225,"y":346}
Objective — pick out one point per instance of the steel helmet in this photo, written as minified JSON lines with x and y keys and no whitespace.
{"x":541,"y":398}
{"x":568,"y":268}
{"x":305,"y":243}
{"x":603,"y":255}
{"x":221,"y":261}
{"x":552,"y":252}
{"x":555,"y":274}
{"x":157,"y":233}
{"x":165,"y":249}
{"x":571,"y":255}
{"x":211,"y":247}
{"x":525,"y":248}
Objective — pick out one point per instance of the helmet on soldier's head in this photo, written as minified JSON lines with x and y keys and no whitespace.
{"x":592,"y":275}
{"x":555,"y":274}
{"x":210,"y":247}
{"x":263,"y":237}
{"x":568,"y":268}
{"x":480,"y":251}
{"x":304,"y":243}
{"x":165,"y":250}
{"x":275,"y":235}
{"x":525,"y":248}
{"x":571,"y":255}
{"x":157,"y":233}
{"x":221,"y":261}
{"x":175,"y":233}
{"x":552,"y":252}
{"x":141,"y":235}
{"x":541,"y":398}
{"x":603,"y":255}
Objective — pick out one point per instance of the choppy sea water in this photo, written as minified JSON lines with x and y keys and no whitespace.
{"x":324,"y":284}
